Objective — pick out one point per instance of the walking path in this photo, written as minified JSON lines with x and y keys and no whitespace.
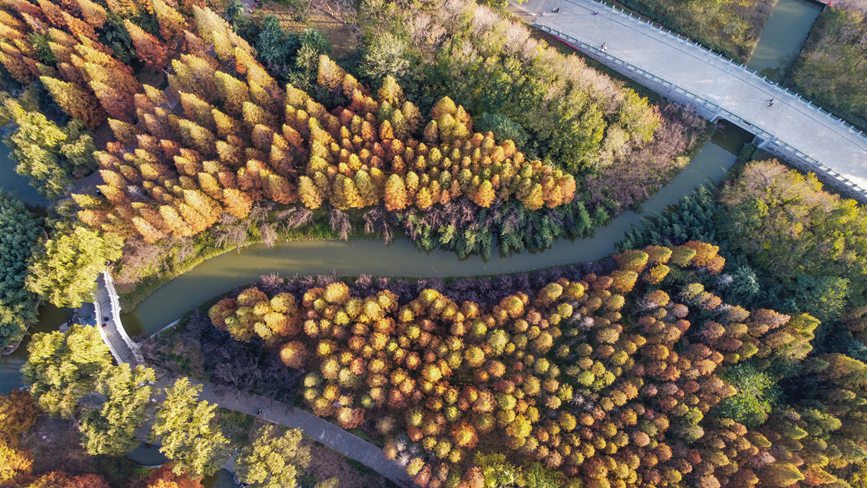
{"x":717,"y":87}
{"x":313,"y":427}
{"x":107,"y":314}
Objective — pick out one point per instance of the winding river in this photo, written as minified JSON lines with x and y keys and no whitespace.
{"x":369,"y":256}
{"x":402,"y":258}
{"x":781,"y":41}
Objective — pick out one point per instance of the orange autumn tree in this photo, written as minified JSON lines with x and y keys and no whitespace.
{"x":610,"y":379}
{"x":225,"y":134}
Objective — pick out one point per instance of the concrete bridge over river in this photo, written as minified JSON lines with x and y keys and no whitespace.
{"x":718,"y":88}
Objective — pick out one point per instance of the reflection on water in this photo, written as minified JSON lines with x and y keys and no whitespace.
{"x":223,"y":479}
{"x":402,"y":258}
{"x":17,"y":185}
{"x":783,"y":36}
{"x":147,"y":455}
{"x":50,"y":318}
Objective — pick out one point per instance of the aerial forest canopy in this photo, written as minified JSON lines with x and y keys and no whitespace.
{"x":642,"y":376}
{"x":20,"y":231}
{"x":224,"y":134}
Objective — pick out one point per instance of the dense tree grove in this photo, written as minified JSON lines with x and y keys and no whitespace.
{"x":71,"y":375}
{"x":61,"y":368}
{"x":831,"y":68}
{"x":809,"y":243}
{"x":694,"y":217}
{"x":109,"y":428}
{"x":796,"y":246}
{"x":34,"y":455}
{"x":225,"y":134}
{"x":638,"y":377}
{"x":229,"y":134}
{"x":17,"y":414}
{"x":50,"y":155}
{"x":561,"y":109}
{"x":20,"y":230}
{"x":274,"y":459}
{"x":188,"y":432}
{"x":65,"y":265}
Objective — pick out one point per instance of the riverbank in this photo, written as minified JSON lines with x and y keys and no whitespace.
{"x":206,"y":249}
{"x":402,"y":258}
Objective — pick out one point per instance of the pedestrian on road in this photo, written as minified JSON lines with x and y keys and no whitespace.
{"x":604,"y":47}
{"x":595,"y":12}
{"x":556,"y":10}
{"x":259,"y":412}
{"x":771,"y":102}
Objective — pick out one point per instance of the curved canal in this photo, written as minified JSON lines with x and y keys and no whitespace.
{"x":402,"y":258}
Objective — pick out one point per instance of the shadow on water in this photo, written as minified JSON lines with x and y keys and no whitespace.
{"x":15,"y":184}
{"x":402,"y":258}
{"x":783,"y":37}
{"x":147,"y":455}
{"x":223,"y":479}
{"x":50,"y":318}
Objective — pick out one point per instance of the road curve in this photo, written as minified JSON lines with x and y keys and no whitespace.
{"x":792,"y":125}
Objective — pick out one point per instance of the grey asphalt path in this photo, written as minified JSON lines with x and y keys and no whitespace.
{"x":313,"y":427}
{"x":699,"y":71}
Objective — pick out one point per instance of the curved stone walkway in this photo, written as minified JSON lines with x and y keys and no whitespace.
{"x":313,"y":427}
{"x":689,"y":73}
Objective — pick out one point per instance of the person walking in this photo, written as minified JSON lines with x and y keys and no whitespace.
{"x":771,"y":102}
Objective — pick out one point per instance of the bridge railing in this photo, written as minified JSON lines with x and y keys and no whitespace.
{"x":771,"y":141}
{"x":734,"y":64}
{"x":115,"y":309}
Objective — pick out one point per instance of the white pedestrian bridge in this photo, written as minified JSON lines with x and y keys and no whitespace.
{"x":718,"y":88}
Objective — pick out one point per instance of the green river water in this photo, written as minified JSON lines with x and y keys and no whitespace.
{"x":17,"y":185}
{"x":781,"y":41}
{"x":783,"y":37}
{"x":403,"y":258}
{"x":369,"y":256}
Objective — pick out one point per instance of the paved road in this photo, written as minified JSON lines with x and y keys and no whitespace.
{"x":701,"y":72}
{"x":313,"y":427}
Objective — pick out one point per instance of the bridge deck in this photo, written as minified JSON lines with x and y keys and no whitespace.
{"x":791,"y":123}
